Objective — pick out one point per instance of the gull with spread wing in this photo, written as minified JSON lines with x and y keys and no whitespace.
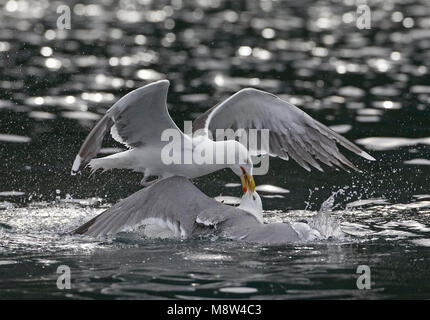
{"x":139,"y":119}
{"x":163,"y":210}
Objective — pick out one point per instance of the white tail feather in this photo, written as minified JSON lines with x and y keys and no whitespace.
{"x":97,"y":164}
{"x":104,"y":164}
{"x":115,"y":161}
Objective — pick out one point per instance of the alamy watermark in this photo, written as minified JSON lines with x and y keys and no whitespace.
{"x":228,"y":148}
{"x":364,"y":280}
{"x":64,"y":278}
{"x":364,"y":18}
{"x":64,"y":21}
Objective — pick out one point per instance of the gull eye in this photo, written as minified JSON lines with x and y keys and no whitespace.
{"x":253,"y":197}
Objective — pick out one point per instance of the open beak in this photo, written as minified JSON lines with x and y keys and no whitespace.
{"x":248,"y":183}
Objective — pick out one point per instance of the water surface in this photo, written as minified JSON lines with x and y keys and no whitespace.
{"x":370,"y":85}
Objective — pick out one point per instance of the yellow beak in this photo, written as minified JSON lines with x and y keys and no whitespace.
{"x":248,"y":183}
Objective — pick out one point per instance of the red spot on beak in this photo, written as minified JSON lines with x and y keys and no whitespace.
{"x":244,"y":189}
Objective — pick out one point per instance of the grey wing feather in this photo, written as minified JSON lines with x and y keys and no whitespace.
{"x":168,"y":200}
{"x":92,"y":144}
{"x":137,"y":119}
{"x":141,"y":116}
{"x":292,"y":132}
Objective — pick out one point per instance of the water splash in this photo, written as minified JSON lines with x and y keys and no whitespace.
{"x":324,"y":222}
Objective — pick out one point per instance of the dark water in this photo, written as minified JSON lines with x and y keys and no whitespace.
{"x":372,"y":85}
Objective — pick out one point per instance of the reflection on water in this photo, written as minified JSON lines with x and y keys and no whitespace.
{"x":384,"y":143}
{"x":387,"y":237}
{"x":370,"y":85}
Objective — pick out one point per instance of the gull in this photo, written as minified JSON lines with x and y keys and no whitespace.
{"x":165,"y":206}
{"x":139,"y":119}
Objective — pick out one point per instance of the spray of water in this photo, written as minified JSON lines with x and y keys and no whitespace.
{"x":324,"y":222}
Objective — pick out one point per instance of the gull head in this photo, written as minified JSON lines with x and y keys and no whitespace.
{"x":251,"y":203}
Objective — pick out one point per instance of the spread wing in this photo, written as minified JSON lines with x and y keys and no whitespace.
{"x":167,"y":200}
{"x":178,"y":204}
{"x":292,"y":132}
{"x":137,"y":119}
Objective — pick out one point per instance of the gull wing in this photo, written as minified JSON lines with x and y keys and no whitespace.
{"x":174,"y":201}
{"x":178,"y":204}
{"x":137,"y":119}
{"x":292,"y":132}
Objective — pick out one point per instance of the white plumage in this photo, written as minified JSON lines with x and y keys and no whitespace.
{"x":139,"y":119}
